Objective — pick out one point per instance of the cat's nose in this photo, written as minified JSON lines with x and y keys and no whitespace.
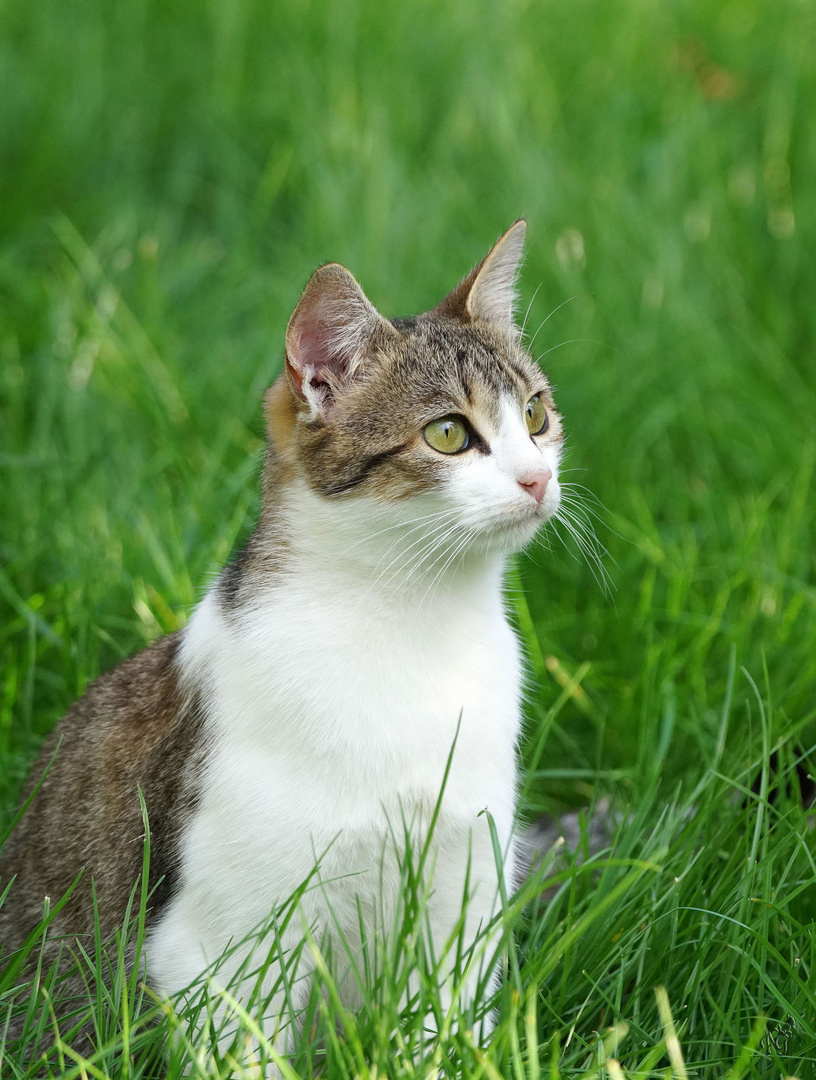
{"x":535,"y":484}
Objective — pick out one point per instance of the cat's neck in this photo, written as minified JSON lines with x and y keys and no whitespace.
{"x":364,"y":550}
{"x":374,"y":545}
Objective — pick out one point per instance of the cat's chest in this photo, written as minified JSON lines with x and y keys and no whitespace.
{"x":321,"y":679}
{"x":331,"y":722}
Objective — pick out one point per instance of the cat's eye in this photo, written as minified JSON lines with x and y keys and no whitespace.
{"x":536,"y":415}
{"x":448,"y":435}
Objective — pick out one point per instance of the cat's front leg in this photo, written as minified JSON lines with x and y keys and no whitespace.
{"x":259,"y":984}
{"x":274,"y":1008}
{"x":460,"y":987}
{"x":469,"y":975}
{"x":468,"y":961}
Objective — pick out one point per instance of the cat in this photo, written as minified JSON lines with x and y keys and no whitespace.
{"x":351,"y":652}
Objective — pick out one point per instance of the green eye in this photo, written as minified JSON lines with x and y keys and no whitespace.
{"x":448,"y":435}
{"x":536,"y":416}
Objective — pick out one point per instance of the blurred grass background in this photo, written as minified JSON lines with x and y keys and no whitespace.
{"x":171,"y":173}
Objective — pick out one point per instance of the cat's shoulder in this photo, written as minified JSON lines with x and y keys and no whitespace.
{"x":130,"y":708}
{"x":138,"y":699}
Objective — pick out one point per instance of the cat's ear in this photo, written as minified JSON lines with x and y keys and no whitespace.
{"x":488,"y":293}
{"x":328,"y":336}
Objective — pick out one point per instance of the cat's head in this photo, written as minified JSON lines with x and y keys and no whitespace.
{"x":442,"y":418}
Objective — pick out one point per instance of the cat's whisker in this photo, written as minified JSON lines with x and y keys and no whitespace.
{"x":401,"y":577}
{"x":555,"y":523}
{"x":446,"y":559}
{"x":438,"y":528}
{"x":404,"y":549}
{"x":578,"y":505}
{"x":457,"y":550}
{"x":542,"y":540}
{"x":583,"y":492}
{"x":591,"y":554}
{"x":585,"y":504}
{"x":428,"y":556}
{"x":584,"y":513}
{"x":394,"y":577}
{"x":589,"y":547}
{"x":561,"y":344}
{"x":397,"y":525}
{"x":529,"y":307}
{"x":598,"y":574}
{"x":426,"y":525}
{"x":575,"y":486}
{"x":577,"y":516}
{"x":545,"y":321}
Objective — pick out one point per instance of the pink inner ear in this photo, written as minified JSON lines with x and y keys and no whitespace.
{"x":328,"y":334}
{"x":313,"y":359}
{"x":315,"y":352}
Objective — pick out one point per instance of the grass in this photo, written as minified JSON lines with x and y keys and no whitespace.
{"x":170,"y":175}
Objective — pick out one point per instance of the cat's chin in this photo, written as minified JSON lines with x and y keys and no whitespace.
{"x":510,"y":535}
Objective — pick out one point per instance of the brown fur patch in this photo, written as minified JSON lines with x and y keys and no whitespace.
{"x":280,"y":412}
{"x":133,"y":728}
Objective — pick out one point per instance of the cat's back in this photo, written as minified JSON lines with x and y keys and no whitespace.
{"x":135,"y":728}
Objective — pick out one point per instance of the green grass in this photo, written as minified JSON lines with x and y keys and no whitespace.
{"x":171,"y":173}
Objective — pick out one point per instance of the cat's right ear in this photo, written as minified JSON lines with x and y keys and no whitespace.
{"x":488,"y":293}
{"x":328,"y":337}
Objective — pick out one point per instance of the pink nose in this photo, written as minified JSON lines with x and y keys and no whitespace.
{"x":536,"y":484}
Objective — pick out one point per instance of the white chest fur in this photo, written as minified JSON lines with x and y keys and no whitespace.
{"x":331,"y":712}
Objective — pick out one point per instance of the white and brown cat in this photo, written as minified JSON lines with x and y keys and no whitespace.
{"x":311,"y":703}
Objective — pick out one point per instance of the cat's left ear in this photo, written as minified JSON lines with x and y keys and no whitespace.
{"x":328,"y":336}
{"x":488,"y":293}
